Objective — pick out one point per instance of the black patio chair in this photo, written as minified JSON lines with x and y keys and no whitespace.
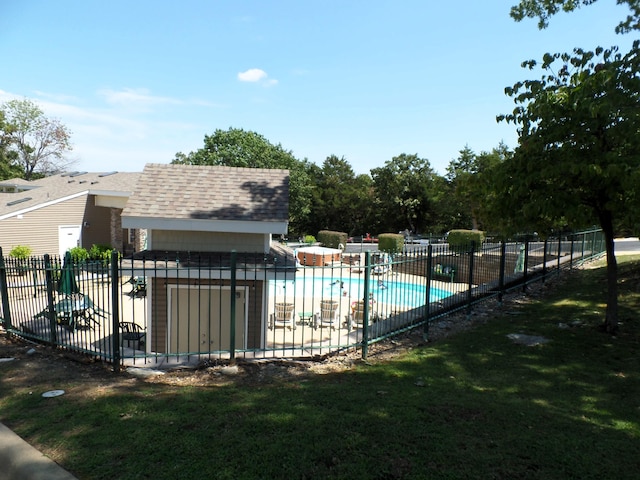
{"x":132,"y":332}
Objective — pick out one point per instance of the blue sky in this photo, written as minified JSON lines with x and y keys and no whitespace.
{"x":138,"y":81}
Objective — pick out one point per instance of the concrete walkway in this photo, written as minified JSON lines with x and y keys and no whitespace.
{"x":20,"y":461}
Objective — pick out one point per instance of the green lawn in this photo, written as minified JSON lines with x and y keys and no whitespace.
{"x":476,"y":405}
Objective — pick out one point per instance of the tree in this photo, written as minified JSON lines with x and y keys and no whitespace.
{"x":471,"y":177}
{"x":543,"y":9}
{"x":404,"y":193}
{"x":8,"y":169}
{"x":578,"y":159}
{"x":240,"y":148}
{"x":35,"y":143}
{"x":342,"y":200}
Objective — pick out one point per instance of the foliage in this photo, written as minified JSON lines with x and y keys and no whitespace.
{"x":8,"y":165}
{"x":309,"y":239}
{"x":471,"y":176}
{"x":544,"y":9}
{"x":578,"y":159}
{"x":404,"y":193}
{"x":239,"y":148}
{"x":332,"y":239}
{"x":38,"y":144}
{"x":341,"y":200}
{"x":79,"y":254}
{"x":460,"y":241}
{"x":390,"y":242}
{"x":101,"y":253}
{"x":20,"y":252}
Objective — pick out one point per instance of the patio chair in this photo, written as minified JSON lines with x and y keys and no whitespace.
{"x":132,"y":332}
{"x":283,"y":316}
{"x":356,"y":318}
{"x":328,"y":316}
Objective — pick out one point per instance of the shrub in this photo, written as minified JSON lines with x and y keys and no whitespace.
{"x":21,"y":252}
{"x":460,"y":240}
{"x":101,"y":253}
{"x":390,"y":242}
{"x":332,"y":239}
{"x":79,"y":254}
{"x":310,"y":239}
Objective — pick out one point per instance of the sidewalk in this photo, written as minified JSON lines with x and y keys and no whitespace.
{"x":20,"y":461}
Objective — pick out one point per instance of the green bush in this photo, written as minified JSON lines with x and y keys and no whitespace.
{"x":309,"y":239}
{"x":390,"y":242}
{"x":332,"y":239}
{"x":460,"y":240}
{"x":21,"y":252}
{"x":101,"y":253}
{"x":79,"y":254}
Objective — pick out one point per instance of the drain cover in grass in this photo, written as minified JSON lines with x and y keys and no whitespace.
{"x":53,"y":393}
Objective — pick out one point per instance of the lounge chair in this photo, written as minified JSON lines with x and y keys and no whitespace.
{"x":357,"y":318}
{"x":283,"y":316}
{"x":328,"y":316}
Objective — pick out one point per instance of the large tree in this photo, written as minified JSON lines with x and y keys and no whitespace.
{"x":404,"y":189}
{"x":8,"y":168}
{"x":342,"y":200}
{"x":33,"y":142}
{"x":578,"y":159}
{"x":470,"y":176}
{"x":239,"y":148}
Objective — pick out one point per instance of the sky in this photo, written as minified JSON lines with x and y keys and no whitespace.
{"x":138,"y":81}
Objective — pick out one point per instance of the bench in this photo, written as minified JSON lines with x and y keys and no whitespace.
{"x":444,"y":271}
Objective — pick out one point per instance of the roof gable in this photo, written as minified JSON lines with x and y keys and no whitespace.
{"x":183,"y":197}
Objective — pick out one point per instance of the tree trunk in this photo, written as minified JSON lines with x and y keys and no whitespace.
{"x":611,"y":318}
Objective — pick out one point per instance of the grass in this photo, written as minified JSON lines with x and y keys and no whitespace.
{"x":476,"y":405}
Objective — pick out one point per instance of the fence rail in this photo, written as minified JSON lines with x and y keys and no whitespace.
{"x":175,"y":308}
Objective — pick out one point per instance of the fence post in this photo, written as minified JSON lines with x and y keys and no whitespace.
{"x":573,"y":239}
{"x":53,"y":323}
{"x":503,"y":255}
{"x":115,"y":310}
{"x":4,"y":292}
{"x":366,"y":312}
{"x":544,"y":261}
{"x":232,"y":323}
{"x":526,"y":265}
{"x":427,"y":302}
{"x":559,"y":251}
{"x":470,"y":283}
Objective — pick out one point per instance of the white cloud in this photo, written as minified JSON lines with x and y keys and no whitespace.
{"x":256,"y":75}
{"x":252,"y":75}
{"x":135,"y":96}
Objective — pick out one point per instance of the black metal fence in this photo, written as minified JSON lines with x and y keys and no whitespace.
{"x":182,"y":307}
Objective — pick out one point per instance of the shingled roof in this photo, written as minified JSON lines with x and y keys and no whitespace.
{"x":207,"y":198}
{"x":28,"y":195}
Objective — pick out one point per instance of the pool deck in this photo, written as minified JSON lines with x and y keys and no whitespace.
{"x":307,"y":339}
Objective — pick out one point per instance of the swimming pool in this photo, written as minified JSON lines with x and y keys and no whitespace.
{"x":391,"y":292}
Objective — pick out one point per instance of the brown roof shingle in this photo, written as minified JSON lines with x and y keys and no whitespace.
{"x":168,"y":191}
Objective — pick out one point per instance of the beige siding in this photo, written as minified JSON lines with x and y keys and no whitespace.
{"x":39,"y":228}
{"x":171,"y":240}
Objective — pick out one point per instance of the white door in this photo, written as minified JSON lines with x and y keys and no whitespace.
{"x":68,"y":237}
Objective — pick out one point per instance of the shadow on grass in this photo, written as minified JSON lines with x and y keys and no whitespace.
{"x":473,"y":406}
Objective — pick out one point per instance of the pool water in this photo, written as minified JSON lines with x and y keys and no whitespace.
{"x":402,"y":294}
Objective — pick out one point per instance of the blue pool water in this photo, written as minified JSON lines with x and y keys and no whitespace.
{"x":403,"y":294}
